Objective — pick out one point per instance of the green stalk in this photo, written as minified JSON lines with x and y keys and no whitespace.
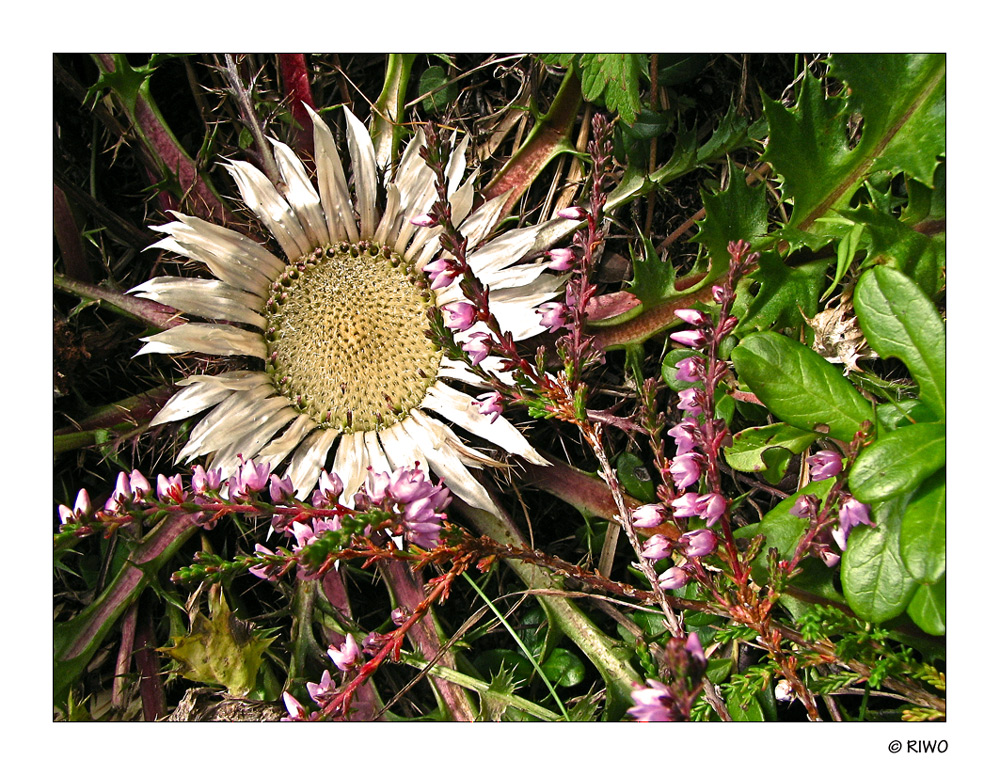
{"x":607,"y":655}
{"x":388,"y":108}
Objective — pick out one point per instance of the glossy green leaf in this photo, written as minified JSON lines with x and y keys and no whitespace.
{"x":901,"y":98}
{"x":563,"y":668}
{"x":752,"y":712}
{"x":899,"y":246}
{"x":876,"y":583}
{"x":800,"y":386}
{"x":898,"y":461}
{"x":635,"y":478}
{"x":922,"y":537}
{"x":435,"y":80}
{"x":748,"y":445}
{"x":927,"y":609}
{"x":900,"y":321}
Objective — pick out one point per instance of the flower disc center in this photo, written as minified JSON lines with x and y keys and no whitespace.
{"x":345,"y":337}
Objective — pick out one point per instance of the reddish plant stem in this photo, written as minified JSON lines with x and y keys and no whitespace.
{"x":295,"y":79}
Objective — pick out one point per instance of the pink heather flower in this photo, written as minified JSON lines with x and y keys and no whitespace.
{"x":689,"y":338}
{"x":693,"y":317}
{"x":459,"y":316}
{"x":690,"y":370}
{"x":255,"y":476}
{"x":673,"y":578}
{"x":489,"y":404}
{"x":264,"y":570}
{"x":170,"y":488}
{"x":399,"y":615}
{"x":829,"y":557}
{"x":686,"y":505}
{"x":683,"y":434}
{"x":553,"y":315}
{"x":685,"y":469}
{"x":688,"y":399}
{"x":563,"y":259}
{"x":852,"y":513}
{"x":712,"y":506}
{"x":324,"y":691}
{"x":656,"y":547}
{"x":649,"y":516}
{"x":296,"y":711}
{"x":693,"y":647}
{"x":825,"y":464}
{"x":203,"y":481}
{"x":422,"y":523}
{"x":409,"y":484}
{"x":572,"y":213}
{"x":304,"y":534}
{"x":806,"y":506}
{"x":81,"y":508}
{"x":651,"y":703}
{"x":425,"y":219}
{"x":478,"y":347}
{"x":139,"y":484}
{"x":280,"y":489}
{"x":347,"y":656}
{"x":718,"y":294}
{"x":441,"y":272}
{"x":697,"y":544}
{"x":329,"y":490}
{"x":377,"y":484}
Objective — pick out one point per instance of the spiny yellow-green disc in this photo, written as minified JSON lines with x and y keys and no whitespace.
{"x":346,"y":337}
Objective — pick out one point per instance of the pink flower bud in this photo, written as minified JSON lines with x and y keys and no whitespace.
{"x":825,"y":464}
{"x":697,"y":544}
{"x":686,"y":505}
{"x":459,"y":316}
{"x":563,"y":259}
{"x":424,"y":219}
{"x":673,"y":578}
{"x":689,"y":338}
{"x":656,"y":547}
{"x":649,"y":516}
{"x":478,"y":347}
{"x":489,"y":404}
{"x":685,"y":469}
{"x":572,"y":213}
{"x":694,"y":317}
{"x":712,"y":506}
{"x":554,"y":315}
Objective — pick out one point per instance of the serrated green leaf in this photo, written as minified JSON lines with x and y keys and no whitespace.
{"x":616,"y":78}
{"x":900,"y":321}
{"x":652,"y":277}
{"x":745,"y":453}
{"x":922,"y":537}
{"x":898,"y":462}
{"x":901,"y":98}
{"x":785,"y":294}
{"x":876,"y":583}
{"x":927,"y":609}
{"x":800,"y":386}
{"x":738,"y":213}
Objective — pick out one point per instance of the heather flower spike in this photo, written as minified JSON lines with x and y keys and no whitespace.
{"x":341,"y":373}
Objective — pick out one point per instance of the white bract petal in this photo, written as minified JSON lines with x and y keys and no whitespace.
{"x":308,"y":459}
{"x":300,"y":194}
{"x":260,"y":196}
{"x":334,"y":194}
{"x":208,"y":338}
{"x":206,"y":298}
{"x":365,"y":174}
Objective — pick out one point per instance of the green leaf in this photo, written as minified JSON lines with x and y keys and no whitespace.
{"x":748,"y":445}
{"x":616,"y":78}
{"x":738,"y":213}
{"x":927,"y":609}
{"x":901,"y":98}
{"x":900,"y":321}
{"x":899,"y":246}
{"x":752,"y":712}
{"x":898,"y":462}
{"x":669,"y":367}
{"x":563,"y":668}
{"x":800,"y":386}
{"x":652,"y":277}
{"x":876,"y":583}
{"x":922,"y":537}
{"x":635,"y":478}
{"x":785,"y":295}
{"x":435,"y":80}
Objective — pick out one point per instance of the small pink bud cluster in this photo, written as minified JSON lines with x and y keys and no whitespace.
{"x":408,"y":494}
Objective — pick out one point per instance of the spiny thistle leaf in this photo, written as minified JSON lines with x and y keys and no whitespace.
{"x":900,"y":97}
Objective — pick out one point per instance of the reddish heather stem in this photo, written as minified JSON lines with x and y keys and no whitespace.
{"x":295,"y":78}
